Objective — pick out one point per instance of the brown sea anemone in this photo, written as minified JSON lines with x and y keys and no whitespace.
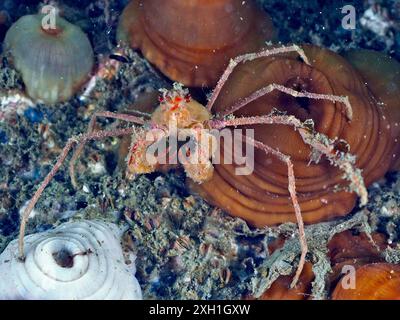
{"x":382,"y":76}
{"x":376,"y":281}
{"x":54,"y":62}
{"x":192,"y":41}
{"x":370,"y":134}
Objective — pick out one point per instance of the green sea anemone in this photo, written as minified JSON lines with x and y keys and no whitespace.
{"x":54,"y":62}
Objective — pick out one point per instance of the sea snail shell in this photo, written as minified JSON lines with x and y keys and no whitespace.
{"x":77,"y":260}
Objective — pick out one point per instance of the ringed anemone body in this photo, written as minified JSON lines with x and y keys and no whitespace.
{"x":54,"y":63}
{"x":191,"y":41}
{"x":262,"y":197}
{"x":382,"y":75}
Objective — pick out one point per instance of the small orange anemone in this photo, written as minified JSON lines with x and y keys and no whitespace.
{"x":376,"y":281}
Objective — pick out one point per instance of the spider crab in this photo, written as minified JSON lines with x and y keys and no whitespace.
{"x":178,"y":113}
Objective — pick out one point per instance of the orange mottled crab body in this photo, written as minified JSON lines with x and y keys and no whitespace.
{"x":178,"y":107}
{"x":178,"y":116}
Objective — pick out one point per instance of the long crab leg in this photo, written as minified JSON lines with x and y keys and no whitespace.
{"x":292,"y":191}
{"x":324,"y":146}
{"x":249,"y":57}
{"x":317,"y":141}
{"x":297,"y":94}
{"x":98,"y":135}
{"x":92,"y":123}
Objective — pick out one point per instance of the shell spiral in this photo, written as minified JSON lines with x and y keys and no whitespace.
{"x":77,"y":260}
{"x":53,"y":63}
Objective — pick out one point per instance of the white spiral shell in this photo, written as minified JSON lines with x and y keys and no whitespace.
{"x":77,"y":260}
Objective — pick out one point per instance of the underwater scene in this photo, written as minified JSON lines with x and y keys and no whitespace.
{"x":199,"y":150}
